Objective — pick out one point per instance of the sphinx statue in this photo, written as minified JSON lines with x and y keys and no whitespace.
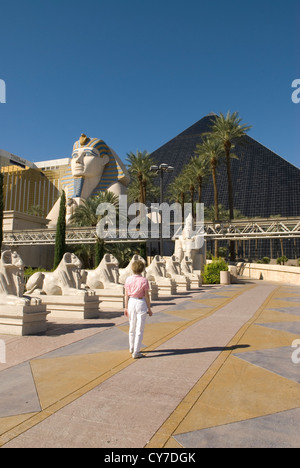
{"x":105,"y":276}
{"x":173,"y":268}
{"x":19,"y":315}
{"x":188,"y":270}
{"x":91,"y":159}
{"x":157,"y":273}
{"x":64,"y":281}
{"x":12,"y":284}
{"x":190,"y":245}
{"x":126,"y":272}
{"x":104,"y":280}
{"x":184,"y":245}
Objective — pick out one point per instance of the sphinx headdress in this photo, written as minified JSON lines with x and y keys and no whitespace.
{"x":92,"y":143}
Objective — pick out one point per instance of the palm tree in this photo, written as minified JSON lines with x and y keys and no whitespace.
{"x":213,"y":151}
{"x":36,"y":210}
{"x":139,"y":169}
{"x":200,"y":168}
{"x":178,"y":189}
{"x":229,"y":130}
{"x":191,"y":181}
{"x":152,"y":193}
{"x":86,"y":216}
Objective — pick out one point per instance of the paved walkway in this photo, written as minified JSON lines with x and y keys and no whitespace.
{"x":217,"y":372}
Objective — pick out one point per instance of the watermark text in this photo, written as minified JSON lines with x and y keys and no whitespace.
{"x":296,"y":353}
{"x":2,"y":92}
{"x":138,"y":221}
{"x":296,"y":93}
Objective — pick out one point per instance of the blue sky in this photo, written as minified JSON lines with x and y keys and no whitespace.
{"x":136,"y":73}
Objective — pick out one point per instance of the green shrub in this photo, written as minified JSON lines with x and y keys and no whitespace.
{"x":266,"y":260}
{"x":212,"y":271}
{"x":29,"y":271}
{"x":223,"y":252}
{"x":282,"y":260}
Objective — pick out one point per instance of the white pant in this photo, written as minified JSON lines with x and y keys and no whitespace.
{"x":137,"y":311}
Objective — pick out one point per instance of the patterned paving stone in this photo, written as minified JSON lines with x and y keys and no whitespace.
{"x":274,"y":431}
{"x":17,"y":391}
{"x":287,"y":310}
{"x":187,"y":306}
{"x":277,"y":360}
{"x":288,"y":299}
{"x":111,"y":340}
{"x":290,"y":327}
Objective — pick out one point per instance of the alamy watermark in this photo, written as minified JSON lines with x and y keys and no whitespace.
{"x":296,"y":93}
{"x":296,"y":353}
{"x":2,"y":352}
{"x":2,"y":92}
{"x":138,"y":221}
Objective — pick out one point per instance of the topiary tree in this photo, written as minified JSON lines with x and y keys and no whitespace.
{"x":60,"y":239}
{"x":1,"y":210}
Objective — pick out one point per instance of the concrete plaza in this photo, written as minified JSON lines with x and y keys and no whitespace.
{"x":217,"y":372}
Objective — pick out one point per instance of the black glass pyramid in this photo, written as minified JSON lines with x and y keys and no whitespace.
{"x":264,"y":184}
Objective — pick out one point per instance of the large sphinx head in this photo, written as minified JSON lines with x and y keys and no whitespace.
{"x":89,"y":157}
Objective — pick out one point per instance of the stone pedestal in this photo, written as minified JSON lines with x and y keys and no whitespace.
{"x":112,"y":298}
{"x":183,"y":283}
{"x":166,"y":287}
{"x":195,"y":280}
{"x":80,"y":307}
{"x":154,"y":292}
{"x":23,"y":320}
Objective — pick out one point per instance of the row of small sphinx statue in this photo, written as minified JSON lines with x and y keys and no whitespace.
{"x":70,"y":279}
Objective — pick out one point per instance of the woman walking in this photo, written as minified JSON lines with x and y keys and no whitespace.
{"x":137,"y":305}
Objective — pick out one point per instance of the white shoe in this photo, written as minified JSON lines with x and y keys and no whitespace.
{"x":137,"y":355}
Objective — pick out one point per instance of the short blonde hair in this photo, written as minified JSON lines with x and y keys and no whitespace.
{"x":138,"y":267}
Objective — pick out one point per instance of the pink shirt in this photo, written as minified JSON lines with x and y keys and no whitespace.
{"x":136,"y":286}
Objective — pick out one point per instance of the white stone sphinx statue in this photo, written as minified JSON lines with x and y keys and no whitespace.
{"x":188,"y":270}
{"x":19,"y":315}
{"x":62,"y":291}
{"x":105,"y":276}
{"x":104,"y":280}
{"x":64,"y":281}
{"x":157,"y":273}
{"x":173,"y":268}
{"x":187,"y":245}
{"x":126,"y":272}
{"x":184,"y":245}
{"x":12,"y":285}
{"x":90,"y":158}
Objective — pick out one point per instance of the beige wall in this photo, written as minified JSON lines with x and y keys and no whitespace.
{"x":277,"y":273}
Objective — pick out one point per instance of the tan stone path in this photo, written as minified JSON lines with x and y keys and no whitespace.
{"x":217,"y":371}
